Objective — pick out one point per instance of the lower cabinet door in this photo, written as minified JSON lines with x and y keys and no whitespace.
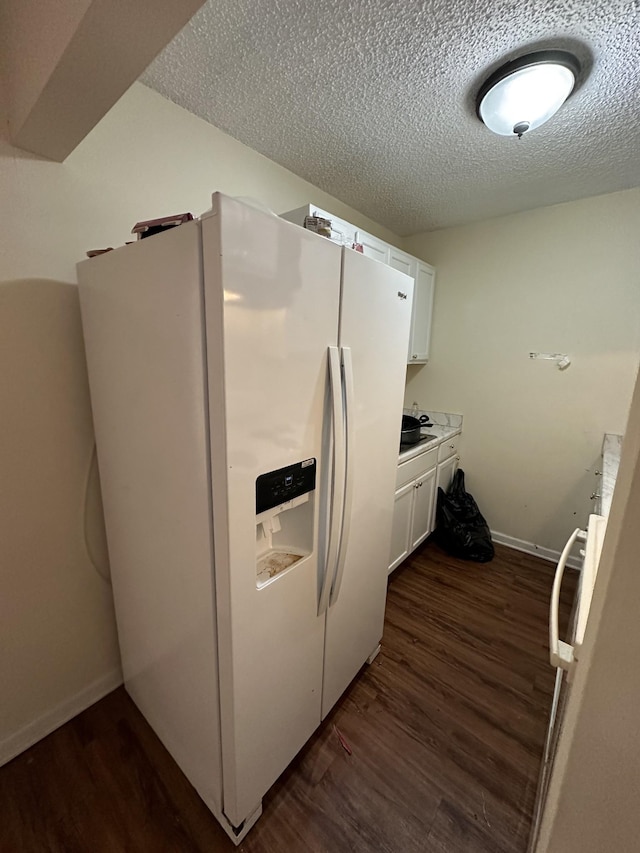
{"x":423,"y":507}
{"x":401,"y":528}
{"x":446,"y":470}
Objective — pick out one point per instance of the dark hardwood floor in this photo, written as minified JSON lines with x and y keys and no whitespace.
{"x":445,"y":729}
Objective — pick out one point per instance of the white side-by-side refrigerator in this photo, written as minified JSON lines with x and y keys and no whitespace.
{"x":247,"y":382}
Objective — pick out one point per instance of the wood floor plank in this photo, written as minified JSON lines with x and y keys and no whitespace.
{"x":453,"y":830}
{"x":445,"y":728}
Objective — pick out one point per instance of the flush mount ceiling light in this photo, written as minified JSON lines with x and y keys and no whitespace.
{"x":526,"y":92}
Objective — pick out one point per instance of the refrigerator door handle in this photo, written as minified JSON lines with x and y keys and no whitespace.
{"x":561,"y":653}
{"x":337,"y":488}
{"x":349,"y":410}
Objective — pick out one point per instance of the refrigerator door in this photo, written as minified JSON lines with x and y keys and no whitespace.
{"x":272,"y":294}
{"x":143,"y":329}
{"x":374,"y":332}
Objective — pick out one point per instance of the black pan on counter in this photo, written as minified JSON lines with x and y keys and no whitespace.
{"x":410,"y":433}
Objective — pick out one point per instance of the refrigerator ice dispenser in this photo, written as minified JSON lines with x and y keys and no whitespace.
{"x":284,"y":518}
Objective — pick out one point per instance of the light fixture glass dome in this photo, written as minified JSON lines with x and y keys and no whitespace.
{"x":525,"y":93}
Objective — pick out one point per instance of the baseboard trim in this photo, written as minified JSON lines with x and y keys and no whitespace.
{"x":34,"y":731}
{"x":533,"y":549}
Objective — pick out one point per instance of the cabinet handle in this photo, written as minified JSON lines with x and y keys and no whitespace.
{"x":594,"y":495}
{"x":452,"y":446}
{"x":598,"y":473}
{"x":458,"y":458}
{"x":417,"y":486}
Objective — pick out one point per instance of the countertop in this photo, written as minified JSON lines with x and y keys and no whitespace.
{"x":611,"y":447}
{"x":444,"y":426}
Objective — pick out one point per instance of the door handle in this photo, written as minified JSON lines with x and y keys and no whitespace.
{"x":349,"y":415}
{"x":561,"y":653}
{"x":336,"y":496}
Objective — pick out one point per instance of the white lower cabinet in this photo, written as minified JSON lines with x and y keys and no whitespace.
{"x":444,"y":476}
{"x":417,"y":481}
{"x":445,"y":473}
{"x":448,"y":459}
{"x":446,"y":470}
{"x":423,"y":508}
{"x":401,"y":528}
{"x":413,"y":513}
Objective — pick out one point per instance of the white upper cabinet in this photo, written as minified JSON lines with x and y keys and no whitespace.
{"x":401,"y":261}
{"x":422,"y":273}
{"x":420,"y":336}
{"x":424,"y":277}
{"x":372,"y":247}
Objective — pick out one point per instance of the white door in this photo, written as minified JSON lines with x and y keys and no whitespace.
{"x":272,"y":301}
{"x":372,"y":247}
{"x":446,"y":470}
{"x":374,"y":329}
{"x":403,"y":262}
{"x":423,"y":507}
{"x":401,"y":527}
{"x":422,"y":314}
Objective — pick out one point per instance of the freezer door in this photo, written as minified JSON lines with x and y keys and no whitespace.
{"x":272,"y":295}
{"x":143,"y":329}
{"x":374,"y":332}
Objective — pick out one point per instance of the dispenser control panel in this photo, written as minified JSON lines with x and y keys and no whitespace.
{"x":277,"y":487}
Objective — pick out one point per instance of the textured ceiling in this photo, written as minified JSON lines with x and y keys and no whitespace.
{"x":373,"y":100}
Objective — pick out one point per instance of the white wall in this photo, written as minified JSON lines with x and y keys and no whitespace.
{"x":557,"y":279}
{"x":58,"y":647}
{"x":147,"y":158}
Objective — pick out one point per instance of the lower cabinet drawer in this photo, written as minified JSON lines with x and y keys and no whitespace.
{"x":448,"y":448}
{"x":411,"y":469}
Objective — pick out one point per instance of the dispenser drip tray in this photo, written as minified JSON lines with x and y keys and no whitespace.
{"x":275,"y":562}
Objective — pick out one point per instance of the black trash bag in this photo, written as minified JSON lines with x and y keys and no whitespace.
{"x":460,"y":526}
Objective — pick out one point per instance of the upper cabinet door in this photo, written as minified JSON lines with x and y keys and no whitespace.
{"x":423,"y":275}
{"x":403,"y":262}
{"x":372,"y":247}
{"x":422,"y":312}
